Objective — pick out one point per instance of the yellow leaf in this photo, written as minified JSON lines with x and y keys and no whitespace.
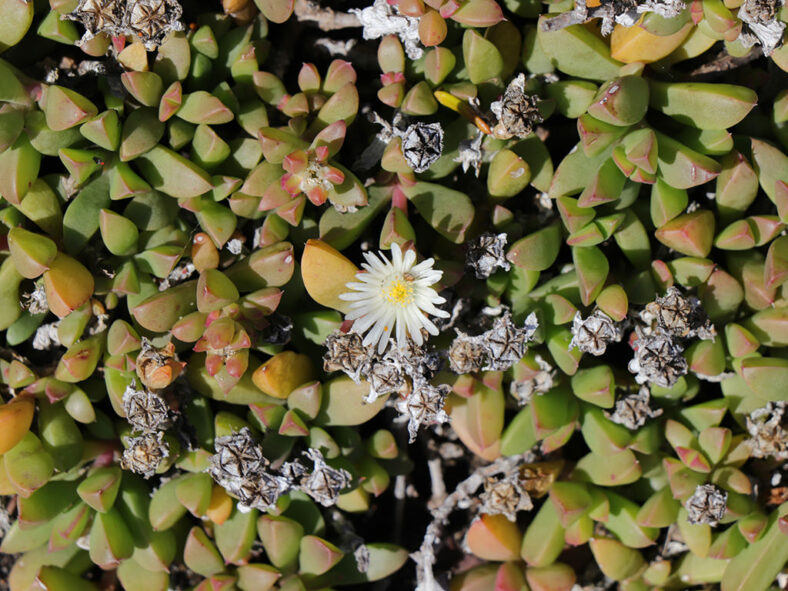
{"x":634,"y":44}
{"x":325,"y":272}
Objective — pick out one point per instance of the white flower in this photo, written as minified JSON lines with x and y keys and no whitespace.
{"x":394,"y":294}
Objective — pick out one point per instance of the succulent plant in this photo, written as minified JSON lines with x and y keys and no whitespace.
{"x":568,"y":371}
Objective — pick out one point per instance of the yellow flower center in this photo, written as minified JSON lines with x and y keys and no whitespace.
{"x":399,"y":292}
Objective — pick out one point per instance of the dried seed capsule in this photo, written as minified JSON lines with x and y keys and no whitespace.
{"x":99,"y":16}
{"x":323,"y":483}
{"x":153,"y":20}
{"x":237,"y":456}
{"x":633,"y":410}
{"x":680,"y":316}
{"x":505,"y":343}
{"x":422,"y":145}
{"x":593,"y":334}
{"x":706,"y":505}
{"x":505,"y":496}
{"x":466,"y":354}
{"x":345,"y":352}
{"x":658,"y":360}
{"x":145,"y":410}
{"x":423,"y":406}
{"x":385,"y":377}
{"x":486,"y":254}
{"x":517,"y":111}
{"x":145,"y":453}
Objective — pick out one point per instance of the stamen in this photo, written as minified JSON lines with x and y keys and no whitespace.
{"x":399,"y":292}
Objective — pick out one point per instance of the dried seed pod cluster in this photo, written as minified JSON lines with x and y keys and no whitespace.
{"x":546,"y":273}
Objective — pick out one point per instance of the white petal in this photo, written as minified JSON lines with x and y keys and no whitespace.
{"x":362,"y":324}
{"x":396,"y":256}
{"x":410,"y":258}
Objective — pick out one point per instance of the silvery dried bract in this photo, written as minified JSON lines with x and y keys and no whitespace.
{"x":153,"y":20}
{"x":46,"y":337}
{"x":593,"y":334}
{"x":234,"y":246}
{"x":505,"y":343}
{"x":486,"y":254}
{"x":517,"y":111}
{"x":470,"y":153}
{"x":613,"y":12}
{"x":706,"y":505}
{"x":145,"y":453}
{"x":423,"y":406}
{"x":505,"y":496}
{"x":761,"y":24}
{"x":537,"y":384}
{"x":237,"y":456}
{"x":323,"y":483}
{"x":664,"y":8}
{"x":768,"y":436}
{"x":633,"y":410}
{"x":658,"y":360}
{"x":422,"y":145}
{"x":680,"y":316}
{"x":345,"y":352}
{"x":383,"y":19}
{"x":146,"y":411}
{"x":178,"y":275}
{"x":35,"y":302}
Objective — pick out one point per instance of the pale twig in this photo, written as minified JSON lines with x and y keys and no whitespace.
{"x":461,"y":498}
